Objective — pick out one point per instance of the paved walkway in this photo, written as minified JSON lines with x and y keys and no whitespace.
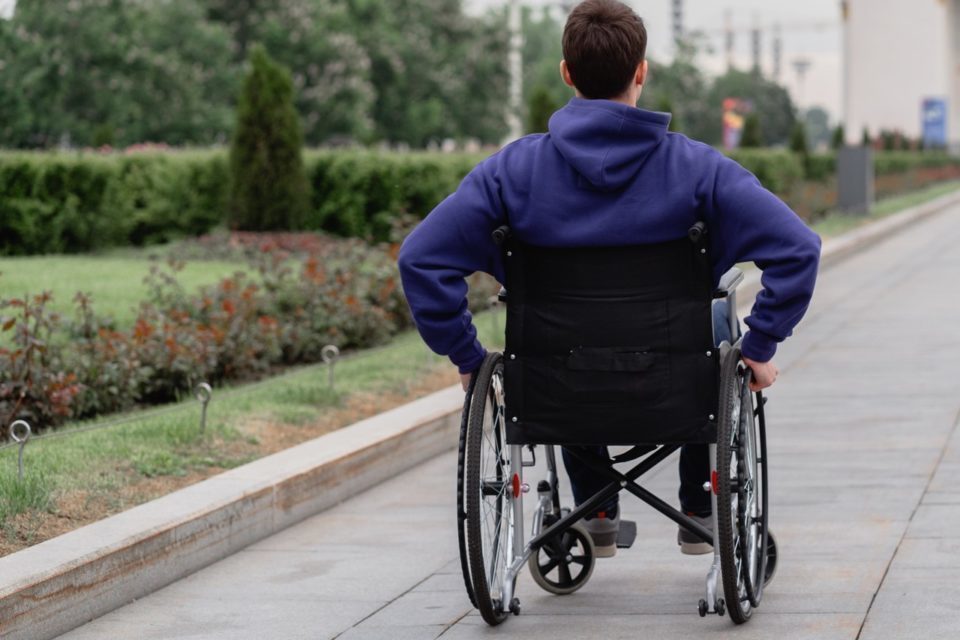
{"x":863,"y":445}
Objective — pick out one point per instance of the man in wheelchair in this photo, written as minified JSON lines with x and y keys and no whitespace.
{"x":617,"y":242}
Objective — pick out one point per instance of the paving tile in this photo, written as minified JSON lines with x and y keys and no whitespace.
{"x":858,"y":429}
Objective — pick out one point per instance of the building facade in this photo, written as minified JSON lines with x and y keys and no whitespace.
{"x":902,"y":68}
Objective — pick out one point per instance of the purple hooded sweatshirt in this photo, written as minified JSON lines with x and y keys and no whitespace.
{"x":606,"y":174}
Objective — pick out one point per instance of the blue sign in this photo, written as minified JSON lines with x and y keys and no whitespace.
{"x":934,"y":122}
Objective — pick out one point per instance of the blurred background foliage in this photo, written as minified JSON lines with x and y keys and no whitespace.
{"x":403,"y":72}
{"x":117,"y":72}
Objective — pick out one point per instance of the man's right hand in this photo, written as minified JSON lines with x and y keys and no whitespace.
{"x":764,"y":374}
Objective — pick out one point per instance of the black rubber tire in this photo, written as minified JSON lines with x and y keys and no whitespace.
{"x":461,"y":506}
{"x":567,"y":582}
{"x":492,"y":611}
{"x":758,"y":424}
{"x":773,"y":555}
{"x":728,"y":534}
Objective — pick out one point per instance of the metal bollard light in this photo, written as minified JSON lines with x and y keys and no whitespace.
{"x":204,"y":394}
{"x":21,"y":439}
{"x":330,"y":354}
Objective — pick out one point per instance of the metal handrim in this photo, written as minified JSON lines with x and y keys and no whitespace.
{"x":733,"y":496}
{"x":749,"y":486}
{"x":741,"y":499}
{"x":495,"y":508}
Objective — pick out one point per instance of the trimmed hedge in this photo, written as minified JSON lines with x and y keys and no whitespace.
{"x":362,"y":193}
{"x":887,"y":162}
{"x":68,"y":203}
{"x":777,"y":169}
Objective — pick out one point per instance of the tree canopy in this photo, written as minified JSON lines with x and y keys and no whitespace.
{"x":363,"y":71}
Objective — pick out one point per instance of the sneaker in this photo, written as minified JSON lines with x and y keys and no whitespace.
{"x":690,"y":544}
{"x":603,"y":529}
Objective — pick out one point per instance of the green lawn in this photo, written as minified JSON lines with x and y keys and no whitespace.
{"x":115,"y":279}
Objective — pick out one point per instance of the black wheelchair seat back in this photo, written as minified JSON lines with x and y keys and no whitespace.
{"x":610,"y":345}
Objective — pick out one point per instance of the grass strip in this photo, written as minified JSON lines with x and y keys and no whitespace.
{"x":102,"y":464}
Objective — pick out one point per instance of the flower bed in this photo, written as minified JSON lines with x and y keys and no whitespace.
{"x":300,"y":293}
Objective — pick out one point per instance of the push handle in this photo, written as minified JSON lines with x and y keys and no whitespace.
{"x":696,"y":232}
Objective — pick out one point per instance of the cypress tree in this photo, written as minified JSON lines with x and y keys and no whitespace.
{"x":541,"y":106}
{"x":798,"y":139}
{"x":269,"y":189}
{"x":839,"y":137}
{"x":665,"y":105}
{"x":751,"y":136}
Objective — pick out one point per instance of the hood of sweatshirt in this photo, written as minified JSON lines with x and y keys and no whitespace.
{"x":606,"y":142}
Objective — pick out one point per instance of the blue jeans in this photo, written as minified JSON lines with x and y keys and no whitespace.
{"x":694,"y":458}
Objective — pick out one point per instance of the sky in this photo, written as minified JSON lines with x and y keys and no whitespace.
{"x":6,"y":8}
{"x":811,"y":31}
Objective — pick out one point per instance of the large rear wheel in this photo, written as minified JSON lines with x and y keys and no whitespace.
{"x":488,"y":497}
{"x":741,"y":492}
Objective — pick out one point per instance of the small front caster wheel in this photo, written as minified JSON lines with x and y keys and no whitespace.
{"x":565,"y":562}
{"x":721,"y":607}
{"x":515,"y":606}
{"x":771,"y":568}
{"x":702,"y":608}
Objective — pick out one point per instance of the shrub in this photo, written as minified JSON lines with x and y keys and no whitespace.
{"x":33,"y":383}
{"x":798,"y":139}
{"x":282,"y":311}
{"x":540,"y":107}
{"x":104,"y":363}
{"x":270,"y":189}
{"x":838,"y":138}
{"x":820,"y":167}
{"x":752,"y":136}
{"x":57,"y":202}
{"x":361,"y":193}
{"x":69,"y":203}
{"x":887,"y":162}
{"x":60,"y":202}
{"x":777,"y":169}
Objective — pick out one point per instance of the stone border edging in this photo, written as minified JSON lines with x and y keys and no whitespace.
{"x":62,"y":583}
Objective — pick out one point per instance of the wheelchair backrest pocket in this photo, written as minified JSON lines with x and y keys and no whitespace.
{"x":609,"y":359}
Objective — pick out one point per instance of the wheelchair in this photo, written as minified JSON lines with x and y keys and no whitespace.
{"x":610,"y":346}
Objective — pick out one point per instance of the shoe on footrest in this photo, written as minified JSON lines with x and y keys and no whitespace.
{"x":691,"y":544}
{"x":604,"y":528}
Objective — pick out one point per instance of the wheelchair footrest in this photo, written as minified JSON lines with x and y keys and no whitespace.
{"x":627,"y":534}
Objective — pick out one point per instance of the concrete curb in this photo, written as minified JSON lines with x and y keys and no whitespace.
{"x":63,"y":583}
{"x":841,"y":247}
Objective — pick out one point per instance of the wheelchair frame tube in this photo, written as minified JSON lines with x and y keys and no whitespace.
{"x":713,"y":576}
{"x":627,"y":481}
{"x":517,"y":553}
{"x":732,"y":319}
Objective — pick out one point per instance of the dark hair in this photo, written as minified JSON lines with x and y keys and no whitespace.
{"x":603,"y":43}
